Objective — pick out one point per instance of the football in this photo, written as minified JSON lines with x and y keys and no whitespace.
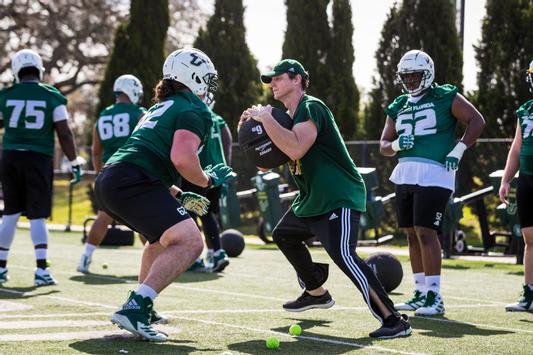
{"x":257,"y":145}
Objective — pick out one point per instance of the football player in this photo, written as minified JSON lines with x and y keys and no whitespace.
{"x":322,"y":208}
{"x":216,"y":150}
{"x":520,"y":158}
{"x":31,"y":111}
{"x":133,"y":185}
{"x":110,"y":132}
{"x":420,"y":130}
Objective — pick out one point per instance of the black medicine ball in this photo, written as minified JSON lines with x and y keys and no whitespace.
{"x":232,"y":242}
{"x":257,"y":145}
{"x":387,"y":268}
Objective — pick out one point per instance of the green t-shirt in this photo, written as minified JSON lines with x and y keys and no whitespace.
{"x":430,"y":120}
{"x":114,"y":126}
{"x":27,"y":109}
{"x":213,"y":151}
{"x":326,"y":175}
{"x":150,"y":144}
{"x":525,"y":120}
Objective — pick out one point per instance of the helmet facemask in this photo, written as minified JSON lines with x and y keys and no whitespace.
{"x":414,"y":62}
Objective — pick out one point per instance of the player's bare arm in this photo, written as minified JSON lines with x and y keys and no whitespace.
{"x":468,"y":115}
{"x":388,"y":136}
{"x":184,"y":156}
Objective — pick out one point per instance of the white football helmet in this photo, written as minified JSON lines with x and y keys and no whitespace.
{"x":192,"y":68}
{"x":26,"y":58}
{"x":529,"y":77}
{"x":130,"y":86}
{"x":416,"y":61}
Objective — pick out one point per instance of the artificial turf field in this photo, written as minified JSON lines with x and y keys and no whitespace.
{"x":235,"y":311}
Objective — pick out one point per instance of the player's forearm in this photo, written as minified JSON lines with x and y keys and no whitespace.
{"x":385,"y":148}
{"x":512,"y":164}
{"x":191,"y":171}
{"x":286,"y":140}
{"x":97,"y":162}
{"x":473,"y":130}
{"x":68,"y":145}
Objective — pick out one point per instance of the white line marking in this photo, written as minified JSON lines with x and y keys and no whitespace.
{"x":6,"y":306}
{"x":475,"y":324}
{"x":51,"y":324}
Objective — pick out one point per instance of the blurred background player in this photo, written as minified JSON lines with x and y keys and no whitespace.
{"x":216,"y":150}
{"x":111,"y":130}
{"x":420,"y":129}
{"x":521,"y":158}
{"x":31,"y":111}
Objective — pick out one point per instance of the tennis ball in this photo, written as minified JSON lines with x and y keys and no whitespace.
{"x":48,"y":263}
{"x":295,"y":330}
{"x":105,"y":266}
{"x":272,"y":342}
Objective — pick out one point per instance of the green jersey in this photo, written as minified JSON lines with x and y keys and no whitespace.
{"x":150,"y":144}
{"x":430,"y":120}
{"x":525,"y":120}
{"x":27,"y":109}
{"x":326,"y":175}
{"x":115,"y":125}
{"x":213,"y":151}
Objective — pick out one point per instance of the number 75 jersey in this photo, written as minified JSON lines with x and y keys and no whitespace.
{"x":430,"y":120}
{"x":29,"y":112}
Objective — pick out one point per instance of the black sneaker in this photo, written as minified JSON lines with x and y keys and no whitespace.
{"x":393,"y":327}
{"x":306,"y":301}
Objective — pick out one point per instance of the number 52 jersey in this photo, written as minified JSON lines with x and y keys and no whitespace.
{"x":29,"y":110}
{"x":115,"y":125}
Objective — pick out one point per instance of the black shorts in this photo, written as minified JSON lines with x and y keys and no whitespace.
{"x":524,"y":194}
{"x":27,"y":183}
{"x":212,"y":194}
{"x":140,"y":201}
{"x":421,"y":206}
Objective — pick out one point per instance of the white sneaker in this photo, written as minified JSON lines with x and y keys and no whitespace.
{"x":433,"y":305}
{"x":43,"y":278}
{"x":413,"y":304}
{"x":84,"y":263}
{"x":525,"y":302}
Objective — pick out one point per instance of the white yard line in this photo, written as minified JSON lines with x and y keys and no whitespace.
{"x":30,"y":324}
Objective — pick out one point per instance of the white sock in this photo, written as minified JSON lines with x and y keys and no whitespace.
{"x":420,"y":282}
{"x":433,"y":283}
{"x":40,"y":253}
{"x":146,"y":291}
{"x":38,"y":231}
{"x":88,"y":249}
{"x":4,"y":254}
{"x":7,"y":229}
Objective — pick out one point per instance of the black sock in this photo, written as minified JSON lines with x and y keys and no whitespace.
{"x":3,"y":263}
{"x":41,"y":263}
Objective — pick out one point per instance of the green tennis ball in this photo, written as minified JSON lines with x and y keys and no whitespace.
{"x":295,"y":330}
{"x":105,"y":266}
{"x":48,"y":263}
{"x":272,"y":342}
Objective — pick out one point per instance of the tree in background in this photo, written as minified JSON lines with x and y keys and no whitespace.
{"x":308,"y":40}
{"x":428,"y":25}
{"x":504,"y":53}
{"x":223,"y":39}
{"x":138,"y":49}
{"x":343,"y":95}
{"x":72,"y":36}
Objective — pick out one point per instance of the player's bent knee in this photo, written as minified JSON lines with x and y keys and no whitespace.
{"x":183,"y":232}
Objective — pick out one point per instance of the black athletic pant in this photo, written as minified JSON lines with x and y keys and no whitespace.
{"x":337,"y":231}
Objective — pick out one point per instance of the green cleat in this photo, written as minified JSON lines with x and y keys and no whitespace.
{"x":433,"y":305}
{"x":3,"y":276}
{"x":413,"y":304}
{"x":525,"y":302}
{"x":198,"y":266}
{"x":134,"y":315}
{"x":217,"y":261}
{"x":156,"y":318}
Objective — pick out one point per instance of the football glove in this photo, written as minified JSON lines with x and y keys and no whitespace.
{"x":452,"y":159}
{"x":218,"y":174}
{"x":194,"y":203}
{"x":404,"y":142}
{"x":75,"y":169}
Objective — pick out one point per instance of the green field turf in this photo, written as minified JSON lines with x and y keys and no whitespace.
{"x":237,"y":310}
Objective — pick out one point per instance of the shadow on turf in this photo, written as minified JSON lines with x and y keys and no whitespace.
{"x":113,"y":345}
{"x":455,"y":267}
{"x":98,"y":279}
{"x":304,"y":344}
{"x":24,"y":292}
{"x":442,"y":327}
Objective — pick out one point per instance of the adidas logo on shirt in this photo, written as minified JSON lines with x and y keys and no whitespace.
{"x":333,"y":216}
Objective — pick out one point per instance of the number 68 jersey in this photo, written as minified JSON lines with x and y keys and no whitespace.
{"x":29,"y":110}
{"x":430,"y":120}
{"x":115,"y":125}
